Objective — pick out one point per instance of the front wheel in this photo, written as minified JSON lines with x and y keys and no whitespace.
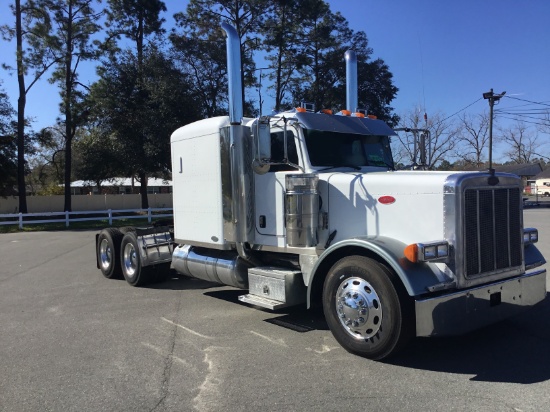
{"x":367,"y":308}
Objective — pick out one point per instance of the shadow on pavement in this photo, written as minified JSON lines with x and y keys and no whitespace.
{"x":296,"y":318}
{"x":514,"y":351}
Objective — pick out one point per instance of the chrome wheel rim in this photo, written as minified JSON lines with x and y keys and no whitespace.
{"x":359,"y":308}
{"x":105,"y":254}
{"x":129,"y":260}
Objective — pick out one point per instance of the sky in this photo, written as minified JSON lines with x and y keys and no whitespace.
{"x":443,"y":54}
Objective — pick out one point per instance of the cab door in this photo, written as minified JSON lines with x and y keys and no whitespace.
{"x":270,"y":187}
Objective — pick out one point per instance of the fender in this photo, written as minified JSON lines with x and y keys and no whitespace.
{"x":533,"y":257}
{"x":416,"y":277}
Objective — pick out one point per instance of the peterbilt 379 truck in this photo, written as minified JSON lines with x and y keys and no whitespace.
{"x":305,"y":208}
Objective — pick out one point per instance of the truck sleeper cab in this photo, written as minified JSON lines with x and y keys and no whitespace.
{"x":305,"y":208}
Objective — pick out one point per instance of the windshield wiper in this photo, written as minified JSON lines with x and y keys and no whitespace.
{"x":344,"y":165}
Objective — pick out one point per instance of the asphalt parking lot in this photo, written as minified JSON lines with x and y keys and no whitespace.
{"x":71,"y":340}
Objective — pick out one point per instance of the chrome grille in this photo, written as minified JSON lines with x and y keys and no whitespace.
{"x":492,"y":229}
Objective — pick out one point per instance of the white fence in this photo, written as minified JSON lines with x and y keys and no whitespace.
{"x":22,"y":219}
{"x":82,"y":203}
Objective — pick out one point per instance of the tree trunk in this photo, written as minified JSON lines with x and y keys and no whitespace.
{"x":143,"y":190}
{"x":68,"y":111}
{"x":21,"y":103}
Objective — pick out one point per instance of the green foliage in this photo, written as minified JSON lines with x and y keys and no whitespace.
{"x":32,"y":31}
{"x":201,"y":24}
{"x":205,"y":63}
{"x":136,"y":112}
{"x":51,"y":190}
{"x":142,"y":96}
{"x":95,"y":157}
{"x":319,"y":77}
{"x":279,"y":31}
{"x":445,"y":165}
{"x":48,"y":162}
{"x":75,"y":23}
{"x":135,"y":20}
{"x":8,"y":148}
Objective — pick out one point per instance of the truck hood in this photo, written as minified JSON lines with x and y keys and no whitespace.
{"x":405,"y":205}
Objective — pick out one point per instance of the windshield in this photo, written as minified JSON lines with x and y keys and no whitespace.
{"x":332,"y":149}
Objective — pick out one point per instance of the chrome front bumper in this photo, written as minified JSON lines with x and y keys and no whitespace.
{"x":470,"y":309}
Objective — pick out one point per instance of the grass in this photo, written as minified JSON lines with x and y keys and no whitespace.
{"x":93,"y":224}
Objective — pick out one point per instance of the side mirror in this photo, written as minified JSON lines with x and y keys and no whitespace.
{"x":262,"y":145}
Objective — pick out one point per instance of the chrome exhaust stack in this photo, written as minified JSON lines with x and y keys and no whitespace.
{"x":240,"y":150}
{"x":234,"y":74}
{"x":351,"y":81}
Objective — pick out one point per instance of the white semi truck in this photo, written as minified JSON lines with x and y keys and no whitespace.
{"x":305,"y":208}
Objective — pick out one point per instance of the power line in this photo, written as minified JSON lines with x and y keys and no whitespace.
{"x":461,"y":110}
{"x":528,"y":101}
{"x":526,"y":116}
{"x":525,"y":121}
{"x":523,"y":111}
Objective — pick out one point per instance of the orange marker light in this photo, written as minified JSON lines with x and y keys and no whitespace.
{"x":326,"y":111}
{"x":359,"y":114}
{"x":371,"y":116}
{"x":345,"y":112}
{"x":301,"y":109}
{"x":411,"y":252}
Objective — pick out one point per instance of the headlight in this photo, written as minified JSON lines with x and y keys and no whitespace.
{"x":530,"y":235}
{"x":427,"y":252}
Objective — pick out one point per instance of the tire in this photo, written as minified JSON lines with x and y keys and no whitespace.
{"x":130,"y":261}
{"x":108,"y":253}
{"x":367,"y":308}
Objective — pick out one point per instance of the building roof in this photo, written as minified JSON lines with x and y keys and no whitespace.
{"x":522,"y":170}
{"x":123,"y":181}
{"x":545,"y":174}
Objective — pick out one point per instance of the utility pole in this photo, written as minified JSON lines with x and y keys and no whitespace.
{"x":492,"y":97}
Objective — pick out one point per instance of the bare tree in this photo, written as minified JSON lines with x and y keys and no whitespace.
{"x":440,"y":143}
{"x":473,"y":135}
{"x":544,"y":125}
{"x":523,"y":143}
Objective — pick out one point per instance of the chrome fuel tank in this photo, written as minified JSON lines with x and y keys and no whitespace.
{"x":211,"y":265}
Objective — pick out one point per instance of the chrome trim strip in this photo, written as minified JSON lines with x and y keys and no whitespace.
{"x":221,"y":246}
{"x":311,"y":251}
{"x":229,"y":229}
